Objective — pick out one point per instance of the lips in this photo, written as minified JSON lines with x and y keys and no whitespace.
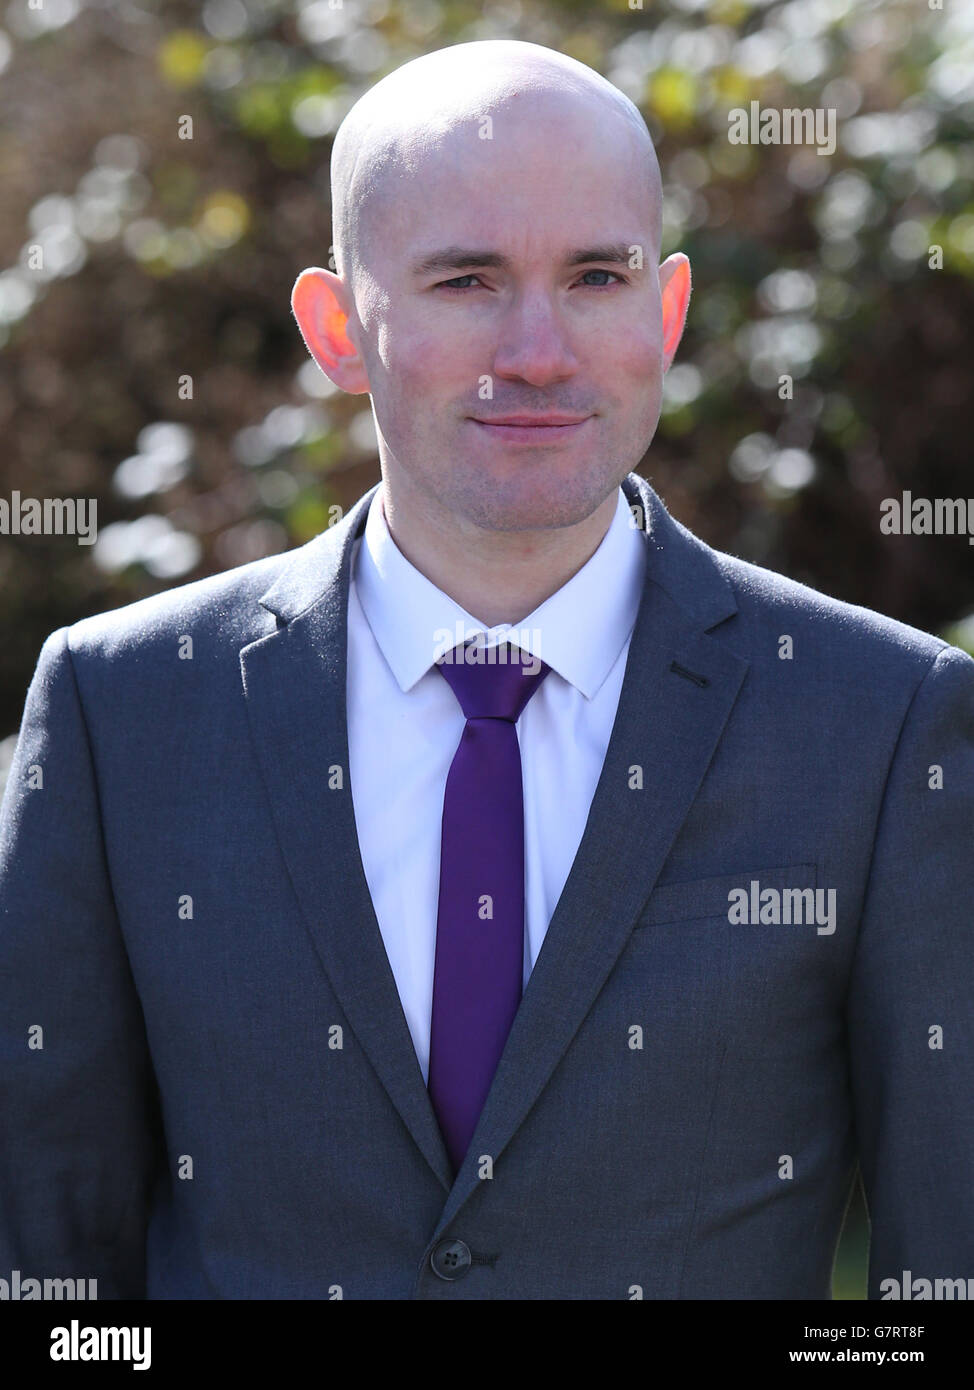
{"x":533,"y":429}
{"x":534,"y":421}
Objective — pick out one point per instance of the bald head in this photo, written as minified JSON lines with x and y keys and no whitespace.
{"x":440,"y":109}
{"x":497,"y":213}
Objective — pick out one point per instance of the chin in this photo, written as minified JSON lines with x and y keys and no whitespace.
{"x":543,"y":503}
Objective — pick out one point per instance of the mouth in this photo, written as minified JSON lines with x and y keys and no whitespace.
{"x":538,"y":429}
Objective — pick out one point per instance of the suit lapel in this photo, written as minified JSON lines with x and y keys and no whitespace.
{"x":679,"y":688}
{"x":294,"y":684}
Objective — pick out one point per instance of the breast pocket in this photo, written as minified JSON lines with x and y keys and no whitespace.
{"x":784,"y":895}
{"x":743,"y":957}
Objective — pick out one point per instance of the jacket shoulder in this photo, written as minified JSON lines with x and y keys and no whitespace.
{"x":222,"y":606}
{"x":842,"y":632}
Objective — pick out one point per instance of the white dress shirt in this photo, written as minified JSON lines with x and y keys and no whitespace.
{"x":405,"y":723}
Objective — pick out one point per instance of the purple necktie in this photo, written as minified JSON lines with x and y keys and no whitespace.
{"x":480,"y":923}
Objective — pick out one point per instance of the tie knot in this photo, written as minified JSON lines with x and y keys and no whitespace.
{"x":492,"y":682}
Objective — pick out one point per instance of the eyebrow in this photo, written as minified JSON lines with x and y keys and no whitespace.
{"x":461,"y":258}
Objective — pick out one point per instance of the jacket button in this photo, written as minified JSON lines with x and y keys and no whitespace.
{"x":450,"y":1259}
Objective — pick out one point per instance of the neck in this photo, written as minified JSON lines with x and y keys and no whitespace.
{"x":496,"y":576}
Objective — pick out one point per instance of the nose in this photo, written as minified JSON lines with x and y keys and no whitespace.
{"x":534,"y":341}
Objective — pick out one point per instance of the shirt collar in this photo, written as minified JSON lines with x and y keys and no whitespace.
{"x":414,"y":622}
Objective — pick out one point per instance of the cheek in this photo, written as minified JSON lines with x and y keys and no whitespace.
{"x":422,"y":365}
{"x":629,"y":363}
{"x":641,"y":348}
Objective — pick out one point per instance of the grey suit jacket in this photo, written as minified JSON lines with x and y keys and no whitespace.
{"x":759,"y":972}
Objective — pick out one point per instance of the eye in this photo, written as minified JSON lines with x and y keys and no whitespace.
{"x":452,"y":284}
{"x":621,"y":279}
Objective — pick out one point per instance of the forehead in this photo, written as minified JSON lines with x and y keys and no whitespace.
{"x":542,"y":187}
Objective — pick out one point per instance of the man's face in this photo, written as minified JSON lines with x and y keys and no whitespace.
{"x":449,"y":350}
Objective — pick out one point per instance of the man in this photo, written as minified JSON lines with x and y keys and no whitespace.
{"x":281,"y":849}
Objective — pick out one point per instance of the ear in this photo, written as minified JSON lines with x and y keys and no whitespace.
{"x":320,"y":304}
{"x":674,"y":284}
